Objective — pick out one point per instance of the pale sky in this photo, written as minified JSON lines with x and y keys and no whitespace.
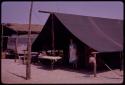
{"x":18,"y":11}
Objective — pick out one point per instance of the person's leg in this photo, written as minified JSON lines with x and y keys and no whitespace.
{"x":91,"y":69}
{"x":74,"y":64}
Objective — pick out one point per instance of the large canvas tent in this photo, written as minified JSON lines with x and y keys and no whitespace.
{"x":100,"y":34}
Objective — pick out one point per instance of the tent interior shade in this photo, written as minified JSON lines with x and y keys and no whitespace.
{"x":101,"y":34}
{"x":22,"y":41}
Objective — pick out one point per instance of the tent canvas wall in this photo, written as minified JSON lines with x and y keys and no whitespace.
{"x":100,"y":34}
{"x":22,"y":41}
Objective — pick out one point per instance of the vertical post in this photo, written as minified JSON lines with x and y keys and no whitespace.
{"x":28,"y":63}
{"x":122,"y":54}
{"x":52,"y":31}
{"x":25,"y":54}
{"x":2,"y":42}
{"x":95,"y":65}
{"x":121,"y":61}
{"x":16,"y":47}
{"x":53,"y":37}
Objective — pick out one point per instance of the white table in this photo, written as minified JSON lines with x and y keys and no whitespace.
{"x":52,"y":58}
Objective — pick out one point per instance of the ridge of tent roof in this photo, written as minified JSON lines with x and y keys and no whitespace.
{"x":84,"y":16}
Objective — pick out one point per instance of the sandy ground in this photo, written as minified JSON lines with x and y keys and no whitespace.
{"x":15,"y":73}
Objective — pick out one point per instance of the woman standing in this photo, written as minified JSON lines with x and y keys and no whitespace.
{"x":72,"y":53}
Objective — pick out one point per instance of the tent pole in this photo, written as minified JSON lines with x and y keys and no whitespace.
{"x":2,"y":43}
{"x":121,"y":61}
{"x":16,"y":47}
{"x":28,"y":63}
{"x":95,"y":66}
{"x":53,"y":39}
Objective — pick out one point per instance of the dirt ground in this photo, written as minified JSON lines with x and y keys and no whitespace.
{"x":15,"y":73}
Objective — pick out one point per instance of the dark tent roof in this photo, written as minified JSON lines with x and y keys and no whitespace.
{"x":101,"y":34}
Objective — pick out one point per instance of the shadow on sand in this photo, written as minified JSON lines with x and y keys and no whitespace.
{"x":87,"y":73}
{"x":63,"y":68}
{"x":17,"y":75}
{"x":44,"y":66}
{"x":107,"y":77}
